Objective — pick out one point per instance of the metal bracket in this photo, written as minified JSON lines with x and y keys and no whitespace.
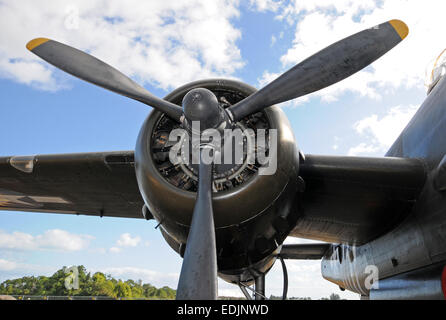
{"x":251,"y":289}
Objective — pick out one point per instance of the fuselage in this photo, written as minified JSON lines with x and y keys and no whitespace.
{"x":418,"y":241}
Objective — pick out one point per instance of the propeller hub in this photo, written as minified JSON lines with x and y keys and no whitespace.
{"x":202,"y":105}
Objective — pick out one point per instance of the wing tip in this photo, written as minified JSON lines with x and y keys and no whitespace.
{"x":400,"y":27}
{"x":35,"y":43}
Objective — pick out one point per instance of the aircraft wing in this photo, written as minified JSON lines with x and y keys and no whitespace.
{"x":346,"y":199}
{"x":99,"y":184}
{"x":356,"y":199}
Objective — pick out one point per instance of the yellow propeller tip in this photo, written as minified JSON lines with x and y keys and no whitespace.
{"x":400,"y":27}
{"x":35,"y":43}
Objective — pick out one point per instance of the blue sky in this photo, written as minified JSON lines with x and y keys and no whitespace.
{"x":163,"y":45}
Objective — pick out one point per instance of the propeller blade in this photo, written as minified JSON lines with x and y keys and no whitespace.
{"x":91,"y":69}
{"x":330,"y":65}
{"x":198,"y":278}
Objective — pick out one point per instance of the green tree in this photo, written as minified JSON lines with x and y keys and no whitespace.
{"x":123,"y":290}
{"x":97,"y":284}
{"x":102,"y":286}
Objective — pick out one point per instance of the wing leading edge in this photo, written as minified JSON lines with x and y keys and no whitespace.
{"x":98,"y":184}
{"x":356,"y":199}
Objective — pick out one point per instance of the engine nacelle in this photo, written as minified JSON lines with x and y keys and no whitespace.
{"x":253,"y":213}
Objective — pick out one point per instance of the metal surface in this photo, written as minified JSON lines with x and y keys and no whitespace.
{"x":260,"y":287}
{"x":91,"y":69}
{"x":439,"y":175}
{"x":198,"y":277}
{"x":330,"y":65}
{"x":420,"y":284}
{"x":307,"y":251}
{"x":97,"y":183}
{"x":226,"y":175}
{"x":252,"y":290}
{"x":356,"y":199}
{"x":201,"y":105}
{"x":249,"y":227}
{"x":418,"y":241}
{"x":244,"y":291}
{"x":285,"y":279}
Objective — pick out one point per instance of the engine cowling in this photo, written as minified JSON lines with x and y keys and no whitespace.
{"x":253,"y":213}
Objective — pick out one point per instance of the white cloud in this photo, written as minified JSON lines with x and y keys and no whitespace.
{"x":231,"y":291}
{"x":98,"y":250}
{"x":387,"y":129}
{"x":17,"y":240}
{"x":6,"y":265}
{"x":63,"y":240}
{"x":146,"y":275}
{"x":115,"y":250}
{"x":273,"y":40}
{"x":15,"y":269}
{"x":380,"y":133}
{"x":265,"y":5}
{"x":164,"y":43}
{"x":294,"y":240}
{"x":363,"y":149}
{"x":319,"y":23}
{"x":335,"y":146}
{"x":268,"y":77}
{"x":54,"y":239}
{"x":126,"y":240}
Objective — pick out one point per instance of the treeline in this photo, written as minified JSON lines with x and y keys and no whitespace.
{"x":97,"y":284}
{"x":333,"y":296}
